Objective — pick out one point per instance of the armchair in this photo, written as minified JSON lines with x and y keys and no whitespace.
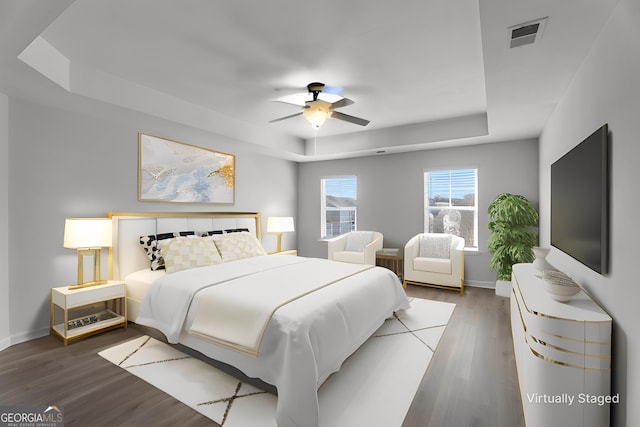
{"x":435,"y":259}
{"x":357,"y":247}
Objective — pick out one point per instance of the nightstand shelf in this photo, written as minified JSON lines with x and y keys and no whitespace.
{"x":78,"y":313}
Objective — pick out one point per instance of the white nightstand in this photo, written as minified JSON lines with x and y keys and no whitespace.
{"x":289,"y":252}
{"x":81,"y":312}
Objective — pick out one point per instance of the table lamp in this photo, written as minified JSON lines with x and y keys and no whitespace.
{"x":88,"y":236}
{"x":279,"y":225}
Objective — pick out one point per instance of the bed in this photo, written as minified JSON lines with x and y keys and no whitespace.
{"x":321,"y":312}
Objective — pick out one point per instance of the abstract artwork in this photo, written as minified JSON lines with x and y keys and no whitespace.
{"x":171,"y":171}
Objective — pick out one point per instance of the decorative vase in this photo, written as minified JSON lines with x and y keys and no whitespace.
{"x":540,"y":263}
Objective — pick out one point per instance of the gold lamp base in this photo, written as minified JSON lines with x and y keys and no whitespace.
{"x":95,"y":252}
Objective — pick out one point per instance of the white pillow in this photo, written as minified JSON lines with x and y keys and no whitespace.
{"x":181,"y":253}
{"x":358,"y":240}
{"x":435,"y":245}
{"x":234,"y":246}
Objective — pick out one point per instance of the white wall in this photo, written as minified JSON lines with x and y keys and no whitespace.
{"x":69,"y":164}
{"x":607,"y":90}
{"x":390,"y":193}
{"x":4,"y":222}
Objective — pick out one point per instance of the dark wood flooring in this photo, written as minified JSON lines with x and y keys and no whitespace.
{"x":471,"y":380}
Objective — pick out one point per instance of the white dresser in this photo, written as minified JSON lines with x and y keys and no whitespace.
{"x":563,"y":355}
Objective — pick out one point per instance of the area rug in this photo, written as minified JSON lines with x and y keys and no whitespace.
{"x":375,"y":386}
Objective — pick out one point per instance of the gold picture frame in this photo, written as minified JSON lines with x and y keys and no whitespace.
{"x":172,"y":171}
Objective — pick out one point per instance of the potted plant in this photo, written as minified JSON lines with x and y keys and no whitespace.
{"x":513,"y":224}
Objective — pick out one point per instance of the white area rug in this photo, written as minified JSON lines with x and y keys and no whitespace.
{"x":384,"y":373}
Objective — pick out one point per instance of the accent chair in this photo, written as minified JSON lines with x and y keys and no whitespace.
{"x":435,"y":259}
{"x":356,"y":247}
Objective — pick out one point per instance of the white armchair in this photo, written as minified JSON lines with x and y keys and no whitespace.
{"x":435,"y":259}
{"x":357,"y":247}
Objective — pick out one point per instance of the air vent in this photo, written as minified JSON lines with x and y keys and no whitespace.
{"x":526,"y":33}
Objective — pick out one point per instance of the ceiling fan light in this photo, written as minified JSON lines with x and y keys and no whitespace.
{"x":316,"y":117}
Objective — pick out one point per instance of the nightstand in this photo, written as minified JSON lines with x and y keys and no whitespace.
{"x":78,"y":313}
{"x":391,"y":258}
{"x":289,"y":252}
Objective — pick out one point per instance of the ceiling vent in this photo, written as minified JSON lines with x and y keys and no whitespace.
{"x":527,"y":33}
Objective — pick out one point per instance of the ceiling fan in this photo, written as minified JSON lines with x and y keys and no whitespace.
{"x":316,"y":110}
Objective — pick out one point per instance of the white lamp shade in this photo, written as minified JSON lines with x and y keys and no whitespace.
{"x":280,"y":224}
{"x":87,"y":233}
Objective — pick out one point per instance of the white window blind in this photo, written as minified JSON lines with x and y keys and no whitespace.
{"x":450,"y":203}
{"x":338,"y":205}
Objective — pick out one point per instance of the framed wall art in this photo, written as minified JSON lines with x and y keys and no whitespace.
{"x":172,"y":171}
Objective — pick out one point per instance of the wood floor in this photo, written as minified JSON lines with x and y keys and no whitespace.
{"x":471,"y":380}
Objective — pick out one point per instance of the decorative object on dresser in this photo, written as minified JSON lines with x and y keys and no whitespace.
{"x":88,"y":236}
{"x":435,"y":259}
{"x":563,"y":355}
{"x":540,"y":262}
{"x":87,"y":311}
{"x":171,"y":171}
{"x":513,"y":224}
{"x":279,"y":225}
{"x":559,"y":285}
{"x":357,"y":247}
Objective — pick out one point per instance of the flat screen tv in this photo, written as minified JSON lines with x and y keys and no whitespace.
{"x":580,"y":202}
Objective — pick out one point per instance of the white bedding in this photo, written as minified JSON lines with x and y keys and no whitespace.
{"x":139,"y":282}
{"x":304,"y":342}
{"x":235,"y":314}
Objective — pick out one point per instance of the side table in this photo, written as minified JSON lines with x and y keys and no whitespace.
{"x":391,"y":258}
{"x":77,"y":313}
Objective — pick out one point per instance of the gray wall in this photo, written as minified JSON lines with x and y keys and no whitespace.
{"x":606,"y":90}
{"x":390,"y":193}
{"x":68,"y":164}
{"x":4,"y":222}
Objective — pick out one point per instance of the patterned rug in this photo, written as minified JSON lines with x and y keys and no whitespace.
{"x":385,"y":372}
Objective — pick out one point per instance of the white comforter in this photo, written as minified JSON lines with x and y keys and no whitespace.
{"x":235,"y":314}
{"x":305,"y":341}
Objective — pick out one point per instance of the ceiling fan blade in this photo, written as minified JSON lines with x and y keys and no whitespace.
{"x":298,"y":99}
{"x":351,"y":119}
{"x":342,"y":103}
{"x":285,"y":117}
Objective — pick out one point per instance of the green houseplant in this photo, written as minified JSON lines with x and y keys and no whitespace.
{"x":513,"y":224}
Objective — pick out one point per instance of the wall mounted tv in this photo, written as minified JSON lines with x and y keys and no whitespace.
{"x":580,"y":202}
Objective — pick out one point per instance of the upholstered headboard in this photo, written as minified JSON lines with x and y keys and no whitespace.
{"x":126,"y":254}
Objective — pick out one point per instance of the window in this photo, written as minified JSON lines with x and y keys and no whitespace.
{"x":450,"y":203}
{"x":338,"y":205}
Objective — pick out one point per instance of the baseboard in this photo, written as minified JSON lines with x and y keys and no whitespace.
{"x":480,"y":284}
{"x":23,"y":337}
{"x":5,"y":343}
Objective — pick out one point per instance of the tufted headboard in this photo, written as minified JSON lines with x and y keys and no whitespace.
{"x":126,"y":255}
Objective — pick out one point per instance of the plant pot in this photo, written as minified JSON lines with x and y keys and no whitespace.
{"x":503,"y":288}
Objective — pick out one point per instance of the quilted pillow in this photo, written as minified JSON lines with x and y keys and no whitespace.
{"x":150,"y":246}
{"x":234,"y":246}
{"x":358,"y":240}
{"x":435,"y":245}
{"x":181,"y":253}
